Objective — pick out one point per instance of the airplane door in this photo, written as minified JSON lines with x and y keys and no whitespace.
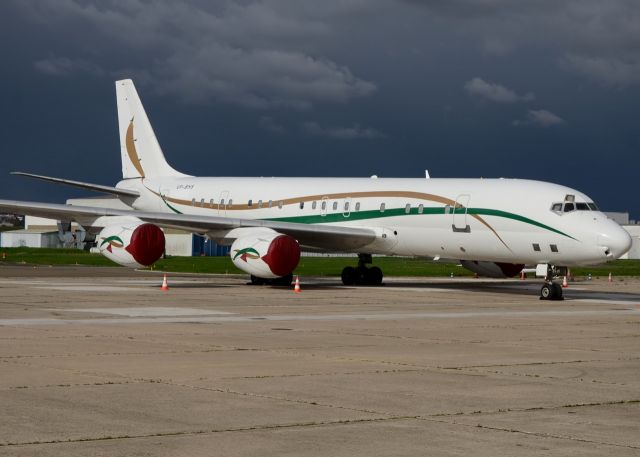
{"x":460,"y":214}
{"x":223,"y":201}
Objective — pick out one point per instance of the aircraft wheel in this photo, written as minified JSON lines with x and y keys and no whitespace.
{"x":349,"y":276}
{"x":551,"y":291}
{"x":557,"y":291}
{"x":546,"y":292}
{"x":374,"y":276}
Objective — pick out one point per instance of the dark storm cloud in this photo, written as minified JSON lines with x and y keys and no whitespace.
{"x":540,"y":118}
{"x":597,"y":39}
{"x":251,"y":54}
{"x":341,"y":133}
{"x":495,"y":92}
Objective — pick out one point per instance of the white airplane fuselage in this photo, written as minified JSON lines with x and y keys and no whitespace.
{"x":499,"y":220}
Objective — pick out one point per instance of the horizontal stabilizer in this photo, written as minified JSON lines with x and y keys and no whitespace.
{"x":82,"y":185}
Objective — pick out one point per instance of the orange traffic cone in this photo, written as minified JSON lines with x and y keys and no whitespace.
{"x":564,"y":282}
{"x":164,"y":286}
{"x":523,"y":276}
{"x":296,"y":288}
{"x":610,"y":278}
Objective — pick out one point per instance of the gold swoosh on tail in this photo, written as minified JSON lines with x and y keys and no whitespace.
{"x":131,"y":150}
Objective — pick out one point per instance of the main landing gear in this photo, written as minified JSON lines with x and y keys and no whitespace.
{"x":362,"y":275}
{"x":552,"y":290}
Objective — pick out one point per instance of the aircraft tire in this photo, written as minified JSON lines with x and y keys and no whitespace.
{"x":374,"y":276}
{"x":557,"y":291}
{"x":349,"y":276}
{"x":546,"y":292}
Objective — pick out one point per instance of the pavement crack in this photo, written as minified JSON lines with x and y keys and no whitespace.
{"x":212,"y":431}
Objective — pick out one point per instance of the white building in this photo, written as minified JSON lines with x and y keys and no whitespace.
{"x":634,"y":252}
{"x":30,"y":238}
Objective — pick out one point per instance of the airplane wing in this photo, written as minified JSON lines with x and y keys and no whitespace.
{"x":329,"y":237}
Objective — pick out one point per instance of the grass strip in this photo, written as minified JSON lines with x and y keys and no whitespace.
{"x":309,"y":266}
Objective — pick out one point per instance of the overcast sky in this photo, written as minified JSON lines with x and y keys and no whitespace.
{"x":540,"y":89}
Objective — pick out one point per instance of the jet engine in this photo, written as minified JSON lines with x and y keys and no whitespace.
{"x":132,"y":245}
{"x":493,"y":269}
{"x":266,"y":255}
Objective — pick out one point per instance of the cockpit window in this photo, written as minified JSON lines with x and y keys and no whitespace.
{"x":568,"y":207}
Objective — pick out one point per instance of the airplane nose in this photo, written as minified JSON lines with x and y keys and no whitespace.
{"x":616,"y":239}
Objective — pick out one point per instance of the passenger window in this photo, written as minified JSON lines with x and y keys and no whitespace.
{"x":211,"y":203}
{"x":407,"y":208}
{"x":314,"y":204}
{"x":202,"y":203}
{"x":270,"y":203}
{"x":357,"y":206}
{"x":554,"y":247}
{"x":568,"y":207}
{"x":193,"y":202}
{"x":301,"y":205}
{"x":280,"y":204}
{"x":324,"y":204}
{"x":346,"y":206}
{"x":250,"y":204}
{"x":230,"y":203}
{"x":447,"y":209}
{"x":557,"y":207}
{"x":259,"y":204}
{"x":536,"y":247}
{"x":335,"y":206}
{"x":382,"y":205}
{"x":222,"y":202}
{"x":420,"y":208}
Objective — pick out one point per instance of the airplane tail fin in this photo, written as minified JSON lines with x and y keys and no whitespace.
{"x":142,"y":156}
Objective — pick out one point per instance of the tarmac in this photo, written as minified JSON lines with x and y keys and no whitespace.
{"x":101,"y":362}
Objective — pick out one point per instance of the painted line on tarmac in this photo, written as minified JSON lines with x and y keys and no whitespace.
{"x":313,"y":317}
{"x":606,"y":301}
{"x":151,"y":311}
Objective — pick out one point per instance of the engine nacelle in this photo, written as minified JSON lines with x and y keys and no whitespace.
{"x":493,"y":269}
{"x":134,"y":245}
{"x":267,"y":255}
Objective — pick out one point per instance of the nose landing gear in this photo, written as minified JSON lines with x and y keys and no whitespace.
{"x":552,"y":290}
{"x":362,"y":275}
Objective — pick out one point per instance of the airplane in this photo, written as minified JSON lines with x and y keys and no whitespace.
{"x":491,"y":226}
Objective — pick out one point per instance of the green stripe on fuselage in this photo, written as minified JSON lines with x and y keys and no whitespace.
{"x":395,"y":212}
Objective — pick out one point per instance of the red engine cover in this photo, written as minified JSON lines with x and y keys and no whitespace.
{"x":283,"y":255}
{"x":147,"y":244}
